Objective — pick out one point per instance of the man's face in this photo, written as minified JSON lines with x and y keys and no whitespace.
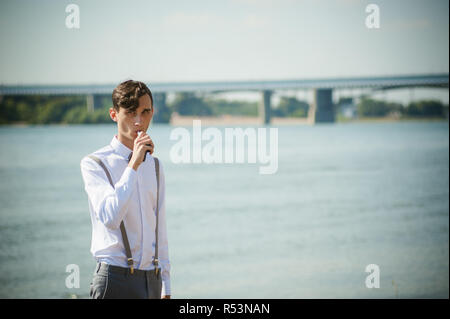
{"x":129,"y":123}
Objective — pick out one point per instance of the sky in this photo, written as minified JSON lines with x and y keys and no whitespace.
{"x":167,"y":41}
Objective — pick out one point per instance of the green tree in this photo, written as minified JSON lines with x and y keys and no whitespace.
{"x":291,"y":107}
{"x":425,"y":108}
{"x":371,"y":107}
{"x":55,"y":108}
{"x":8,"y":112}
{"x":190,"y":104}
{"x":242,"y":108}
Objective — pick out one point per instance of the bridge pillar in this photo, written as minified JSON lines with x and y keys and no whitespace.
{"x":265,"y":110}
{"x":94,"y":101}
{"x":90,"y":103}
{"x":322,"y":110}
{"x":161,"y":113}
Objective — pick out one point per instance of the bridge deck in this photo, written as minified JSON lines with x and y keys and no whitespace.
{"x":430,"y":80}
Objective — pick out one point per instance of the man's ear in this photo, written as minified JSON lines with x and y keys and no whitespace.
{"x":113,"y":114}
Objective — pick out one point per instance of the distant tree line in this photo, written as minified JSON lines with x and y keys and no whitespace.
{"x":368,"y":107}
{"x":291,"y":107}
{"x":35,"y":109}
{"x":41,"y":109}
{"x":193,"y":104}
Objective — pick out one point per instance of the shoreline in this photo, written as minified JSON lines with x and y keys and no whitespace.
{"x":393,"y":119}
{"x":249,"y":120}
{"x":243,"y":120}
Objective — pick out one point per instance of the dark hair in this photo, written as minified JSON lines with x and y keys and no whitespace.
{"x":127,"y":94}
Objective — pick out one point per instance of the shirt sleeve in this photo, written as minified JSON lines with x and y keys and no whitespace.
{"x":163,"y":244}
{"x":109,"y":204}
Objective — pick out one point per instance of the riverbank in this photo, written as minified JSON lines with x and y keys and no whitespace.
{"x":249,"y":120}
{"x":393,"y":119}
{"x":178,"y":120}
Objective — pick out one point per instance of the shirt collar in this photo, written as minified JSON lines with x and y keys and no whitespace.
{"x":119,"y":148}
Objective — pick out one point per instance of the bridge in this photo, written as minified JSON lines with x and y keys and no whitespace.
{"x":322,"y":109}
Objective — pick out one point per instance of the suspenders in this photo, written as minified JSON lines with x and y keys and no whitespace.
{"x":122,"y":226}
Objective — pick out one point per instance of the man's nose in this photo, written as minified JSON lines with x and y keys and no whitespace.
{"x":137,"y":120}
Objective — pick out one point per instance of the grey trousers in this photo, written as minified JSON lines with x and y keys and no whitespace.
{"x":112,"y":282}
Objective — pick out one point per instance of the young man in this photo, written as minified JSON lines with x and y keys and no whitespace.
{"x":132,"y":200}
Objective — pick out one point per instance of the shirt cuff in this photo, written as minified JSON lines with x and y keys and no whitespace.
{"x":165,"y":287}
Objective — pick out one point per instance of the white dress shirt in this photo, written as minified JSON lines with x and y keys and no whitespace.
{"x":133,"y":200}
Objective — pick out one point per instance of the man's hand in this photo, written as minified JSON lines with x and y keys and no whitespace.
{"x":166,"y":297}
{"x":142,"y":144}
